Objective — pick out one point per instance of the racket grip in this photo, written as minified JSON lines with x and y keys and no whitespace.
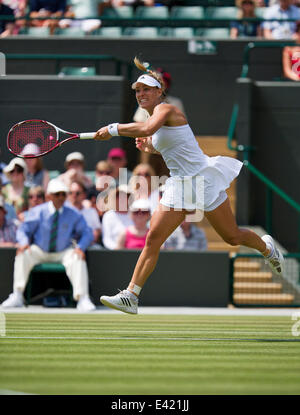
{"x":86,"y":136}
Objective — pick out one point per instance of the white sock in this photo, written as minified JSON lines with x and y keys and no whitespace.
{"x":135,"y":290}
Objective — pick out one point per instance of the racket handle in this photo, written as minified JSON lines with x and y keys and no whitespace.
{"x":86,"y":136}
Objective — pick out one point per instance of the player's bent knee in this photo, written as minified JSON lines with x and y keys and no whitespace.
{"x":232,"y":240}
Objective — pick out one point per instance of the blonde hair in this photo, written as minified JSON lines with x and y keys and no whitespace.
{"x":104,"y":165}
{"x":156,"y":75}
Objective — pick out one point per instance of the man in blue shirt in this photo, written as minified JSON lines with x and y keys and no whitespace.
{"x":277,"y":29}
{"x":53,"y":232}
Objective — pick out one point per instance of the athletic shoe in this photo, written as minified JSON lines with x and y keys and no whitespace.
{"x":14,"y":300}
{"x":124,"y":301}
{"x":275,"y":258}
{"x":85,"y":304}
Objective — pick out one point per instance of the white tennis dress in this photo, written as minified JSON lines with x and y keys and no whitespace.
{"x":197,"y":181}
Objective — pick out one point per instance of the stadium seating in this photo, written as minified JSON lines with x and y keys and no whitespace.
{"x":70,"y":32}
{"x":125,"y":12}
{"x":187,"y":12}
{"x":35,"y":31}
{"x":141,"y":32}
{"x":214,"y":33}
{"x":78,"y":71}
{"x":109,"y":32}
{"x":183,"y":32}
{"x":221,"y":12}
{"x":161,"y":12}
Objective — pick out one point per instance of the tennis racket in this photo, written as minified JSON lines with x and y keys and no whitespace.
{"x":35,"y":138}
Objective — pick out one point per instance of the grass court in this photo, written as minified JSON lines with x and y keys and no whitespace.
{"x":111,"y":354}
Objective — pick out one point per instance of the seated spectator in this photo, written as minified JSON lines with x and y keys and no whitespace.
{"x":77,"y":195}
{"x":187,"y":237}
{"x":8,"y":228}
{"x":36,"y":196}
{"x":117,"y":219}
{"x":141,"y":115}
{"x":134,"y":236}
{"x":118,"y":159}
{"x":245,"y":28}
{"x":103,"y":176}
{"x":144,"y":184}
{"x":10,"y":210}
{"x":36,"y":174}
{"x":20,"y":9}
{"x":47,"y":235}
{"x":281,"y":30}
{"x":15,"y":192}
{"x":133,"y":3}
{"x":6,"y":26}
{"x":291,"y":58}
{"x":3,"y":177}
{"x":78,"y":10}
{"x":74,"y":165}
{"x":46,"y":9}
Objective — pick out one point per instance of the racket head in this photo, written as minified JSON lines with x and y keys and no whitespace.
{"x":32,"y":138}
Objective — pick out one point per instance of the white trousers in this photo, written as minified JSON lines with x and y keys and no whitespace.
{"x":76,"y":268}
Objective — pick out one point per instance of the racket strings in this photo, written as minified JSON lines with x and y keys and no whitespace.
{"x":32,"y":138}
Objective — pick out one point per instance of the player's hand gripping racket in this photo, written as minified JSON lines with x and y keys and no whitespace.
{"x":35,"y":138}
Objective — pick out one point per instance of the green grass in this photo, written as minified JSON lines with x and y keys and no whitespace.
{"x":119,"y":354}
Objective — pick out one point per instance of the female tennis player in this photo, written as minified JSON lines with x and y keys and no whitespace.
{"x":168,"y":133}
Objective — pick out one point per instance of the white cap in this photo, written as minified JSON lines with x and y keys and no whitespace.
{"x":56,"y":185}
{"x":147,"y":80}
{"x":30,"y":149}
{"x":13,"y":163}
{"x":74,"y":156}
{"x":140,"y":204}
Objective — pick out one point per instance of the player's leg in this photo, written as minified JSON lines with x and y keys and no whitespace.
{"x":162,"y":225}
{"x":223,"y":221}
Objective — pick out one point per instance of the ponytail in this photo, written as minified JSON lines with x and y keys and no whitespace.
{"x":144,"y":67}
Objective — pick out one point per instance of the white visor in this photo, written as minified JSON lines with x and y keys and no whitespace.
{"x":147,"y":80}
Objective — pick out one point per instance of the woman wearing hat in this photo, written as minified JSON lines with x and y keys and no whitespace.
{"x":16,"y":192}
{"x":193,"y":175}
{"x":74,"y":165}
{"x":36,"y":174}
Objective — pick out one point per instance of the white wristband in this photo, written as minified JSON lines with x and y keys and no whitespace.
{"x":113,"y":129}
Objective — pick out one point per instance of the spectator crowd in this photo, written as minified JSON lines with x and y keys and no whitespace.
{"x":56,"y":219}
{"x":86,"y":15}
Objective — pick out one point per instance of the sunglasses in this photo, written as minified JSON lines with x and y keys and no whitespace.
{"x":38,"y":196}
{"x":17,"y":169}
{"x":247,"y":2}
{"x":141,"y":212}
{"x":107,"y":173}
{"x":59,"y":194}
{"x":116,"y":158}
{"x":144,"y":174}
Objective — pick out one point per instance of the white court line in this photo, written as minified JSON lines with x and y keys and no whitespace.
{"x":254,"y":331}
{"x":203,"y":311}
{"x":10,"y":392}
{"x":141,"y":338}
